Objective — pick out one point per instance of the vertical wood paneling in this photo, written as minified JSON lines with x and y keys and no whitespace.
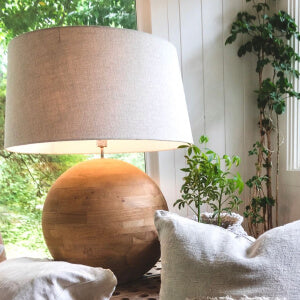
{"x":218,"y":85}
{"x":159,"y":18}
{"x":192,"y":63}
{"x":174,"y":25}
{"x":166,"y":159}
{"x":213,"y":73}
{"x":233,"y":77}
{"x":167,"y":175}
{"x":250,"y":111}
{"x":219,"y":90}
{"x":174,"y":21}
{"x":192,"y":71}
{"x":234,"y":97}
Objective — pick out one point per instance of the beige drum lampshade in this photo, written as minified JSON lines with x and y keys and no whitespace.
{"x":68,"y":87}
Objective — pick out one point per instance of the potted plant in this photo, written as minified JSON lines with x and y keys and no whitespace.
{"x":208,"y":180}
{"x":268,"y":37}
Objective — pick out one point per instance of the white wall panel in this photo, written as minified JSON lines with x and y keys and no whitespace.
{"x":192,"y":73}
{"x":233,"y":77}
{"x":192,"y":63}
{"x":213,"y":71}
{"x":218,"y":85}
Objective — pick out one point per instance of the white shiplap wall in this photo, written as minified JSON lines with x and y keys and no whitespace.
{"x":218,"y":85}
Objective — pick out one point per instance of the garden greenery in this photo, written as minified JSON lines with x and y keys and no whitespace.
{"x":209,"y":180}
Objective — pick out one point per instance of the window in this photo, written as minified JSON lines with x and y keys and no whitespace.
{"x":293,"y":105}
{"x":25,"y":179}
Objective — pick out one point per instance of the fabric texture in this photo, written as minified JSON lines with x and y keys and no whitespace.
{"x":201,"y":260}
{"x":38,"y":279}
{"x":129,"y":85}
{"x":242,"y":298}
{"x":2,"y":250}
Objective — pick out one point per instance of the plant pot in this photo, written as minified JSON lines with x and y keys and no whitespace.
{"x":2,"y":250}
{"x":232,"y":222}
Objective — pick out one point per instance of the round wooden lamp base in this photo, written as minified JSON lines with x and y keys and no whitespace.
{"x":100,"y":213}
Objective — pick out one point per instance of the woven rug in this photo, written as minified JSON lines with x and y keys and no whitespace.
{"x":145,"y":288}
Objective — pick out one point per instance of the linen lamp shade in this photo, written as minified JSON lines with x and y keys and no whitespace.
{"x":70,"y":89}
{"x":70,"y":86}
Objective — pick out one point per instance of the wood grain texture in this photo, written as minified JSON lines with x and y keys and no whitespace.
{"x":100,"y":213}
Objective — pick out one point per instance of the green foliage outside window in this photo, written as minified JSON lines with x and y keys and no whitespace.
{"x":25,"y":179}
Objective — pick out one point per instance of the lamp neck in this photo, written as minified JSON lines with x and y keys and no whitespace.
{"x":102,"y":152}
{"x":102,"y":144}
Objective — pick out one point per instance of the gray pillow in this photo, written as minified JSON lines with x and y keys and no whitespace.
{"x":201,"y":261}
{"x":38,"y":279}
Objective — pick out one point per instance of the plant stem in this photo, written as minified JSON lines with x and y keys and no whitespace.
{"x":199,"y":216}
{"x":219,"y":209}
{"x":195,"y":212}
{"x":256,"y":193}
{"x":269,"y":181}
{"x":277,"y":170}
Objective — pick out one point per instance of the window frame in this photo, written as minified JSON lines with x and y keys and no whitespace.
{"x":293,"y":105}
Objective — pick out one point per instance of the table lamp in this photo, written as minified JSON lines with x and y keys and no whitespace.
{"x":85,"y":89}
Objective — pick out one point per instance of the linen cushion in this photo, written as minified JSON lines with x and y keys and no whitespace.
{"x":201,"y":261}
{"x":37,"y":279}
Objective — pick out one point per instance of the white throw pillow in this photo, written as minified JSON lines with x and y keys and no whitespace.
{"x":201,"y":261}
{"x":37,"y":279}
